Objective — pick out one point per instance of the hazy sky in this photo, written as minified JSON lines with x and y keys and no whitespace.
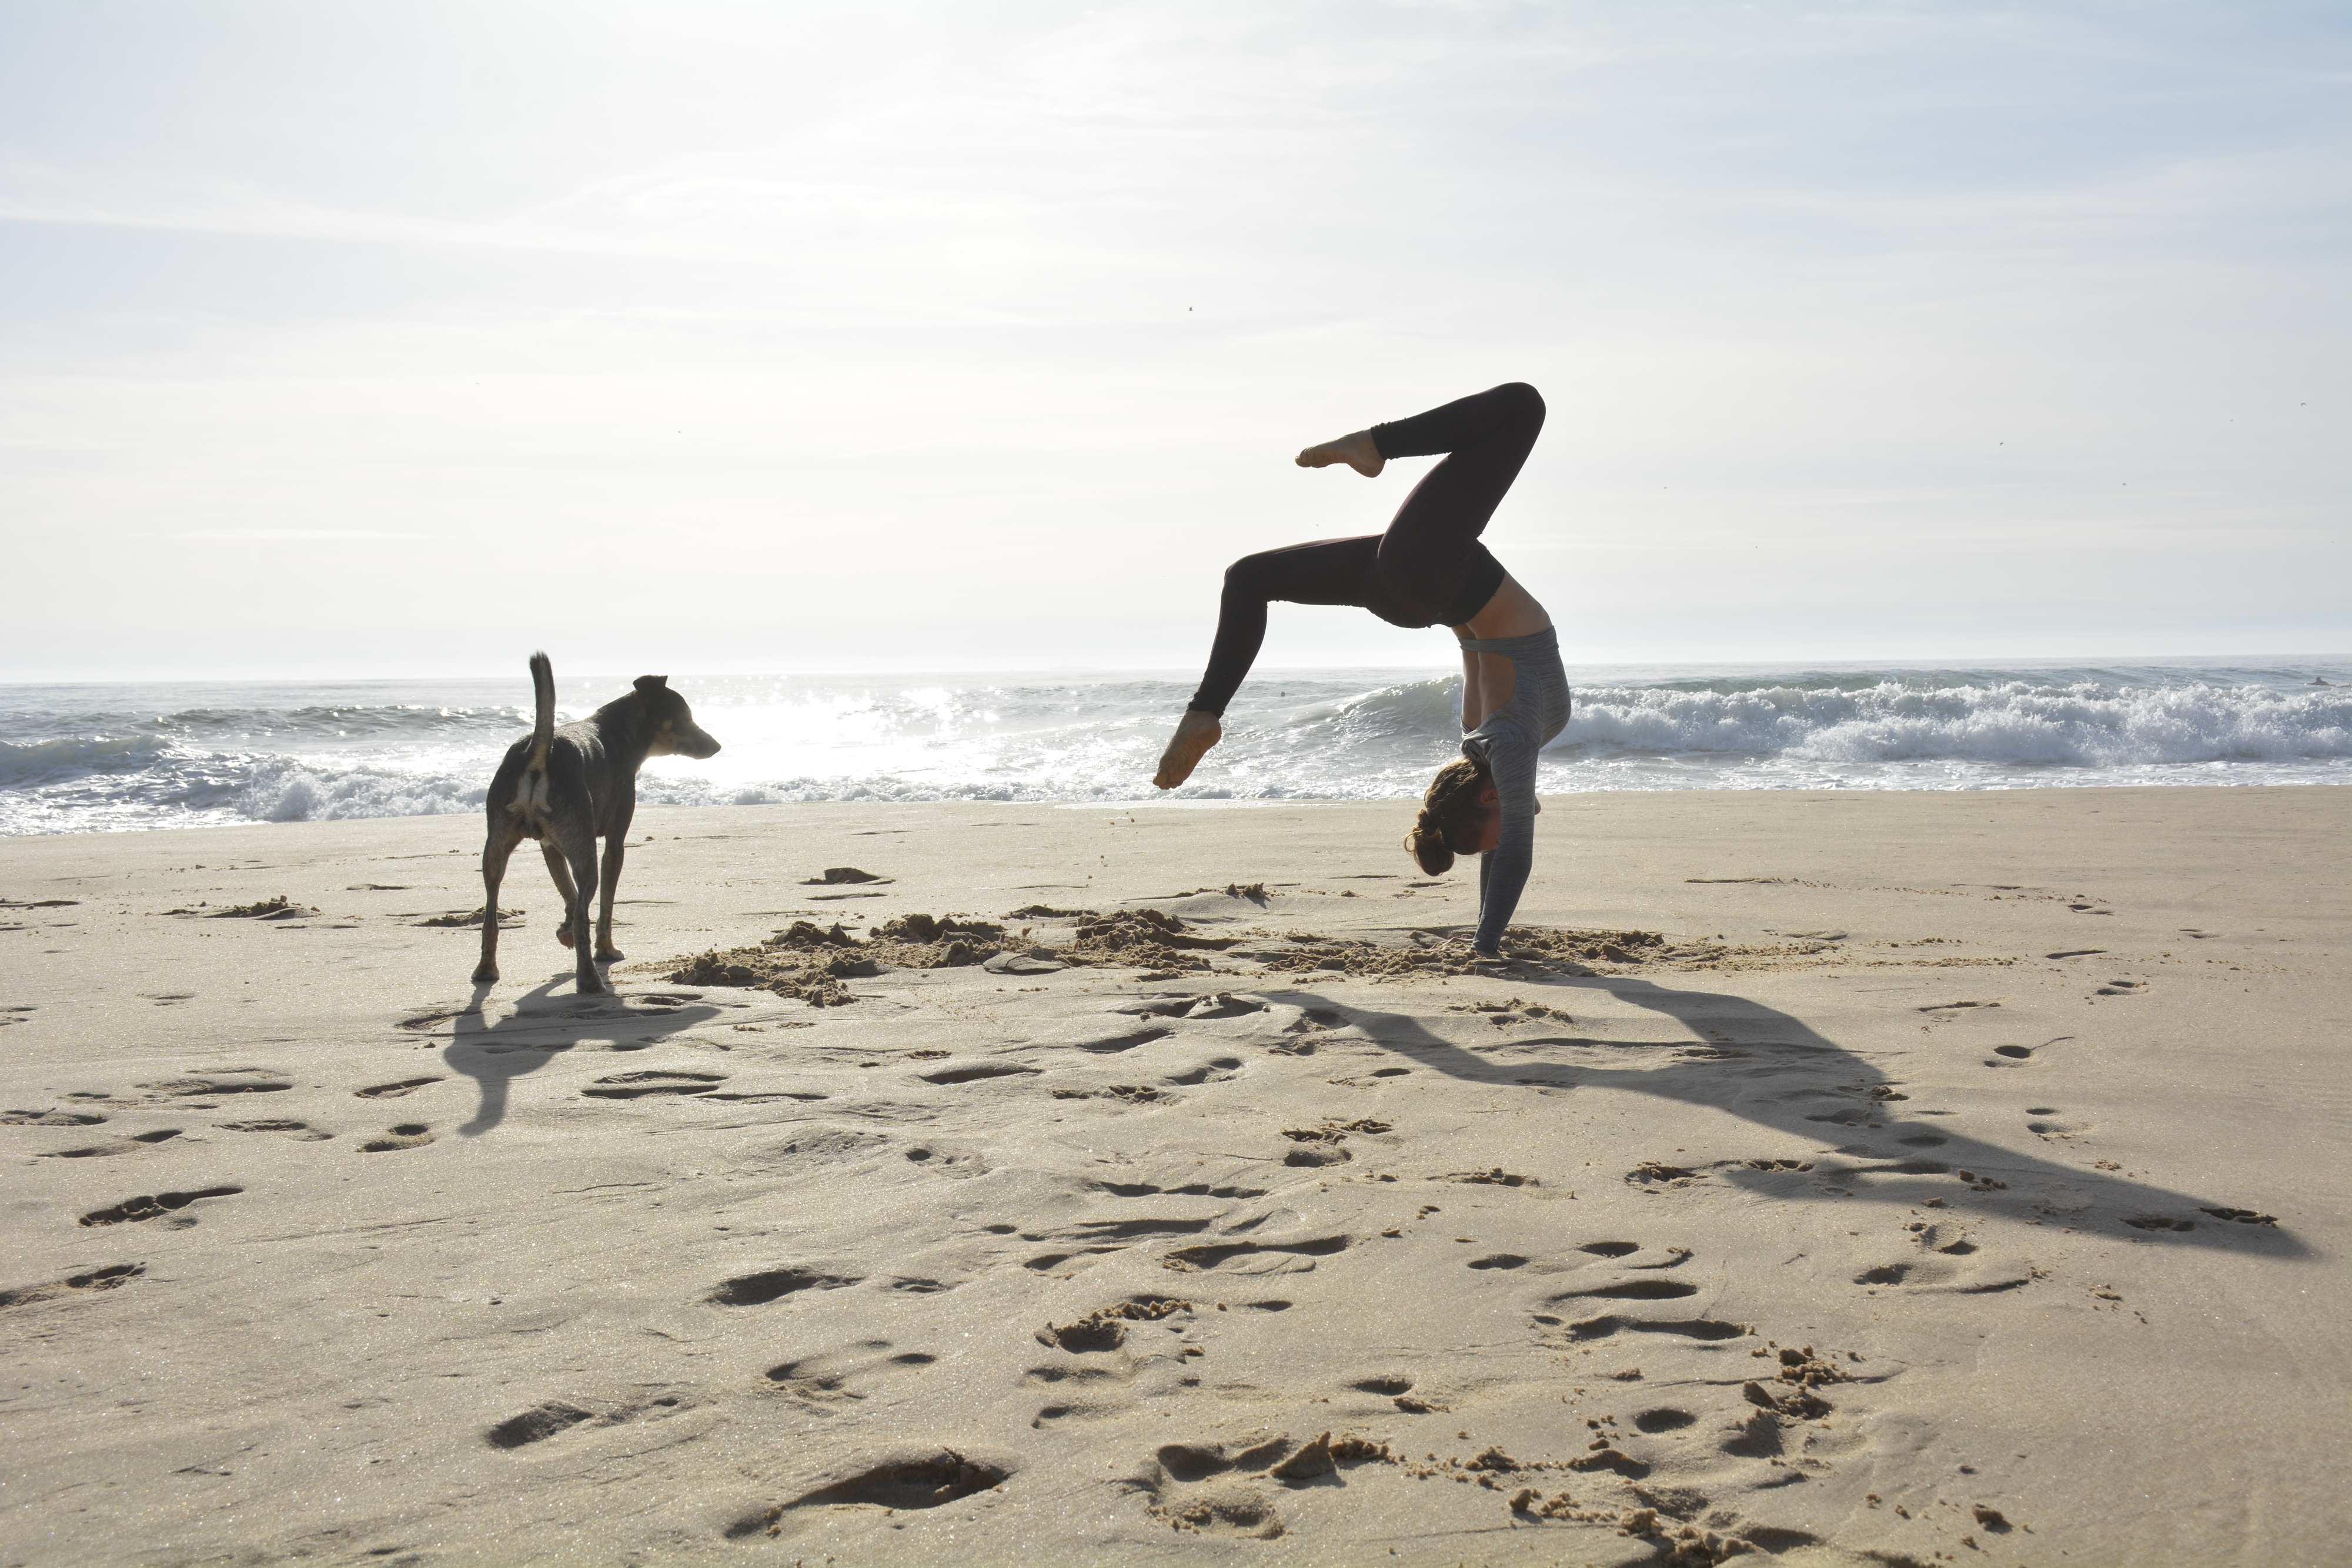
{"x":386,"y":338}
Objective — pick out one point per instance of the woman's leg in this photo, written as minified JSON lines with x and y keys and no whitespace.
{"x":1327,"y":571}
{"x":1425,"y":557}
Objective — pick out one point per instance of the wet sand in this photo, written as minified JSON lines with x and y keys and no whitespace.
{"x":1837,"y":1177}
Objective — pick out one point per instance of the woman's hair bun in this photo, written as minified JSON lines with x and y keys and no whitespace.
{"x":1426,"y":845}
{"x":1450,"y":815}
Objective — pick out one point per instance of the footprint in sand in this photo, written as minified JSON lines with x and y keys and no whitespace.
{"x":1700,"y":1330}
{"x":2046,"y":1122}
{"x":428,"y":1023}
{"x":1225,"y":1510}
{"x":894,"y":1487}
{"x":1047,"y":1262}
{"x":395,"y":1090}
{"x":1627,"y":1291}
{"x":1127,"y":1093}
{"x":1203,"y":1487}
{"x":233,"y":1081}
{"x":301,"y":1131}
{"x":106,"y":1278}
{"x":51,"y":1118}
{"x":555,"y":1418}
{"x":774,"y":1285}
{"x":1106,"y":1327}
{"x":977,"y":1072}
{"x":1255,"y":1256}
{"x":638,"y":1085}
{"x":1187,"y":1190}
{"x":1497,"y":1176}
{"x":1949,"y":1279}
{"x":1398,"y":1392}
{"x":1941,"y":1237}
{"x":1387,"y":1387}
{"x":407,"y":1135}
{"x":130,"y":1146}
{"x":837,"y":1376}
{"x":1083,"y":1392}
{"x":1217,"y":1069}
{"x":1327,"y":1144}
{"x":156,"y":1206}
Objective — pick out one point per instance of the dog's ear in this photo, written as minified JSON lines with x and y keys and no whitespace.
{"x":652,"y":684}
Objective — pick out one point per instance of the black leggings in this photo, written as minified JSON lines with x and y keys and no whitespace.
{"x":1428,"y":569}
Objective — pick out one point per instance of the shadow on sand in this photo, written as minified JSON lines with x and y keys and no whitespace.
{"x":542,"y":1026}
{"x":1756,"y":1062}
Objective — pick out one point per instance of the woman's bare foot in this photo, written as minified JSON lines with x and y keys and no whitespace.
{"x":1355,"y":451}
{"x":1195,"y":732}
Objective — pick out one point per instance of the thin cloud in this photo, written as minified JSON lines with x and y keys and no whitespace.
{"x":287,"y":536}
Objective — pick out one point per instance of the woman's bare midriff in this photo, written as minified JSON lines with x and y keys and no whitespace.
{"x":1489,"y":679}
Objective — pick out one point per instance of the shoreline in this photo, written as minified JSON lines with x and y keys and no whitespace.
{"x":2013,"y":1116}
{"x":1233,"y":803}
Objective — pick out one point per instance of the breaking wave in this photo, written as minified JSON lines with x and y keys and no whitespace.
{"x":94,"y":759}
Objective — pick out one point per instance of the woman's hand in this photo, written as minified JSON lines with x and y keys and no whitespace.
{"x":1455,"y":947}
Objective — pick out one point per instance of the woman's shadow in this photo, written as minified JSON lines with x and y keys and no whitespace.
{"x":544,"y":1026}
{"x":1758,"y":1063}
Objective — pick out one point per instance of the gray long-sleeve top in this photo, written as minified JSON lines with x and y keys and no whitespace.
{"x":1507,"y":742}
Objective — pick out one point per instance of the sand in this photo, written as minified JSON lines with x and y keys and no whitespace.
{"x":1878,"y":1178}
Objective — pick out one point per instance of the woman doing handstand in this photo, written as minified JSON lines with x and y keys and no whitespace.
{"x":1428,"y":569}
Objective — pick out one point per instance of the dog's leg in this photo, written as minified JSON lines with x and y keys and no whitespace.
{"x":582,"y":845}
{"x":605,"y":952}
{"x":495,"y":850}
{"x":561,"y":870}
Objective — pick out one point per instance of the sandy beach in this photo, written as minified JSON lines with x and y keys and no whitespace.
{"x":1841,"y":1177}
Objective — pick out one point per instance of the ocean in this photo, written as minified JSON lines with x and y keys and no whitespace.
{"x":125,"y":757}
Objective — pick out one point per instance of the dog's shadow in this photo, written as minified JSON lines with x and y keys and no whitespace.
{"x":542,"y":1026}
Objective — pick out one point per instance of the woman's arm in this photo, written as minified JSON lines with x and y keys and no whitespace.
{"x":1502,"y":873}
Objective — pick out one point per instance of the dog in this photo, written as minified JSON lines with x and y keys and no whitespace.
{"x":568,"y":788}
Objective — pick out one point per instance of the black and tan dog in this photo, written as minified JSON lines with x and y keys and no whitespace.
{"x":568,"y":788}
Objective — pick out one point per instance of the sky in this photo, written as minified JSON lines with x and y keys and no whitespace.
{"x":376,"y":340}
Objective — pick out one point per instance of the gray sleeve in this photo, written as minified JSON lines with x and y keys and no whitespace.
{"x":1509,"y":754}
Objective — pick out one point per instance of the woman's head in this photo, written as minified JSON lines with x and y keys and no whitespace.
{"x":1457,"y":817}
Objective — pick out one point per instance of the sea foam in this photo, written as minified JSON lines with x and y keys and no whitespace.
{"x":94,"y":759}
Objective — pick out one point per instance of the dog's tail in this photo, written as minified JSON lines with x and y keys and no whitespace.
{"x":543,"y":729}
